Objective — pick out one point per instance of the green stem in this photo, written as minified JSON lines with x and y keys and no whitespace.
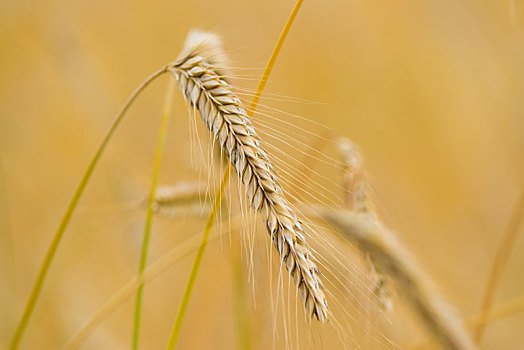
{"x":211,"y":219}
{"x":161,"y":141}
{"x":35,"y":292}
{"x":175,"y":332}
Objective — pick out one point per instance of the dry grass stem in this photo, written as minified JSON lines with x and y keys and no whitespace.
{"x":199,"y":75}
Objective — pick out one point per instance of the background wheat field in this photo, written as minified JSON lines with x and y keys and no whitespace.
{"x":431,"y":91}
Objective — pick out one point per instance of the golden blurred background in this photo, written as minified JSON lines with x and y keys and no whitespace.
{"x":432,"y":92}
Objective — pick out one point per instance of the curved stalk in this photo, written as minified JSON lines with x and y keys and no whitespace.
{"x":51,"y":251}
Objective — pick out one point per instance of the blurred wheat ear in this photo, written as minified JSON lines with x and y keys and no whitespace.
{"x":200,"y":74}
{"x":414,"y":286}
{"x":357,"y":199}
{"x":181,"y":200}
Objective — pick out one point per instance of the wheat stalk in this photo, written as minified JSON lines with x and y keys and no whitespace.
{"x":200,"y":78}
{"x":368,"y":234}
{"x":64,"y":223}
{"x":161,"y":140}
{"x":153,"y":270}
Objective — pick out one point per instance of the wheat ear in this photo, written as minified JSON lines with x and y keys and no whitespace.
{"x":201,"y":79}
{"x":353,"y":177}
{"x":357,"y":199}
{"x":181,"y":199}
{"x":411,"y":282}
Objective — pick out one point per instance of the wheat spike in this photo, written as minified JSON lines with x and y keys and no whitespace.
{"x":181,"y":199}
{"x":354,"y":179}
{"x":357,"y":199}
{"x":412,"y":283}
{"x":201,"y":79}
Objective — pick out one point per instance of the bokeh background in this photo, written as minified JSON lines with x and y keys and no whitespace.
{"x":432,"y":92}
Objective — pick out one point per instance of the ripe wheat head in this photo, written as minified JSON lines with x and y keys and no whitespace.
{"x":200,"y":75}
